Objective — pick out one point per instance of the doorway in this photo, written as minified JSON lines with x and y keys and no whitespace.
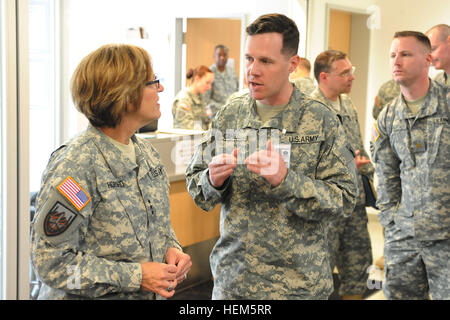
{"x":196,"y":39}
{"x":348,"y":32}
{"x":202,"y":36}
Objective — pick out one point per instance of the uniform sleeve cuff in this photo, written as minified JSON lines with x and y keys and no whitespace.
{"x":209,"y":190}
{"x":286,"y":187}
{"x":131,"y":282}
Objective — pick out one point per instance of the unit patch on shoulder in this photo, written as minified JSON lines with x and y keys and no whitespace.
{"x":58,"y":219}
{"x":377,"y":102}
{"x":375,"y":132}
{"x":74,"y":193}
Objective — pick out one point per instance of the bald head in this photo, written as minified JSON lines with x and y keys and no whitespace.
{"x":441,"y":30}
{"x":439,"y":36}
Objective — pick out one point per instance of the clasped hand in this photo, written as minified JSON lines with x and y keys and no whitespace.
{"x":158,"y":277}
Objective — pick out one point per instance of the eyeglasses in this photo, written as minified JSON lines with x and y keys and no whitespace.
{"x":348,"y":73}
{"x":156,"y":81}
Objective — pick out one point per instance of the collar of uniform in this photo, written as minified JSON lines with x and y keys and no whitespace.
{"x":216,"y":70}
{"x":145,"y":159}
{"x":119,"y":164}
{"x":318,"y":94}
{"x":197,"y":98}
{"x":429,"y":108}
{"x":283,"y":121}
{"x":248,"y":114}
{"x":344,"y":101}
{"x":291,"y":116}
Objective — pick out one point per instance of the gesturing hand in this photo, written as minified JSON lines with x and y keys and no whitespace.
{"x":268,"y":164}
{"x":360,"y":160}
{"x":221,"y":167}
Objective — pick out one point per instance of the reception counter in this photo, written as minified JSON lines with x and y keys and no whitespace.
{"x":196,"y":229}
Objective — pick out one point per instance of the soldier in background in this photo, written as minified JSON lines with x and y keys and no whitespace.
{"x":348,"y":237}
{"x":279,"y":164}
{"x":439,"y":36}
{"x":225,"y":81}
{"x":102,"y":225}
{"x":412,"y":156}
{"x":387,"y":92}
{"x":301,"y":77}
{"x":189,"y":108}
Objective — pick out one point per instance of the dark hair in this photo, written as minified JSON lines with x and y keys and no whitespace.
{"x":423,"y":39}
{"x":277,"y":23}
{"x":200,"y":71}
{"x":324,"y":61}
{"x":221,"y":46}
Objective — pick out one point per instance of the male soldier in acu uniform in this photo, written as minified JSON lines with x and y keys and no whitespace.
{"x":412,"y":157}
{"x":225,"y":80}
{"x":350,"y":247}
{"x":285,"y":169}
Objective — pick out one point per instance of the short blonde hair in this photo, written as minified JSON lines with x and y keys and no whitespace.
{"x":108,"y":80}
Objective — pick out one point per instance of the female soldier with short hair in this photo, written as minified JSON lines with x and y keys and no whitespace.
{"x":102,"y":227}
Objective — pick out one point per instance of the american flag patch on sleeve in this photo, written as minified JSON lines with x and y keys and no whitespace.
{"x":74,"y":193}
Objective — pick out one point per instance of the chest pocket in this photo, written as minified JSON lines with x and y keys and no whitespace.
{"x":154,"y":187}
{"x":305,"y":150}
{"x":121,"y":212}
{"x":438,"y":142}
{"x":401,"y":143}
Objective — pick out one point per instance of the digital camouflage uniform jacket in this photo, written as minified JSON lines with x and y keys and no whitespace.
{"x":96,"y":251}
{"x":387,"y":92}
{"x":349,"y":120}
{"x":225,"y":83}
{"x":305,"y":84}
{"x":412,"y":157}
{"x":441,"y":77}
{"x":272,"y":241}
{"x":189,"y":108}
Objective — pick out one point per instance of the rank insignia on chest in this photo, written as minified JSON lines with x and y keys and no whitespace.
{"x":155,"y":172}
{"x":70,"y":189}
{"x":418,"y":146}
{"x":58,"y":220}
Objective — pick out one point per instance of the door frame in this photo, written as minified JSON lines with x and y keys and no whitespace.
{"x":15,"y":198}
{"x":363,"y":118}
